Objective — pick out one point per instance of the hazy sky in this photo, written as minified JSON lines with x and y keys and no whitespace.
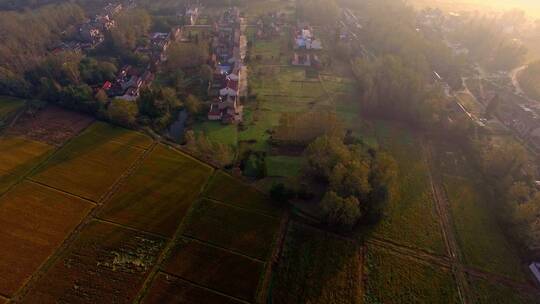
{"x":532,"y":7}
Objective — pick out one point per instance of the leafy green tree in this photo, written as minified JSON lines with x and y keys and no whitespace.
{"x":185,"y":55}
{"x":193,"y":105}
{"x":123,"y":112}
{"x":341,"y":212}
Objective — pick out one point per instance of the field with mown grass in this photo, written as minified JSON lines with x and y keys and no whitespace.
{"x":410,"y":217}
{"x":159,"y":193}
{"x":229,"y":190}
{"x":392,"y":278}
{"x":92,"y":162}
{"x":317,"y":267}
{"x":8,"y":107}
{"x":229,"y":227}
{"x":488,"y":293}
{"x":35,"y":220}
{"x":284,"y":166}
{"x":19,"y":156}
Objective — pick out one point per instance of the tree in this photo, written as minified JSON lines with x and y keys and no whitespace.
{"x":193,"y":105}
{"x":340,"y":212}
{"x":185,"y":55}
{"x":323,"y":155}
{"x":123,"y":112}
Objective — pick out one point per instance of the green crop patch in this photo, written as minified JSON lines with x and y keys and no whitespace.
{"x":487,"y":293}
{"x":18,"y":157}
{"x":118,"y":134}
{"x":91,"y":163}
{"x":35,"y":220}
{"x":317,"y":267}
{"x":224,"y":188}
{"x":392,"y":278}
{"x":170,"y":289}
{"x":410,"y":217}
{"x":284,"y":166}
{"x":105,"y":263}
{"x":232,"y":228}
{"x":8,"y":107}
{"x":215,"y":269}
{"x":157,"y":196}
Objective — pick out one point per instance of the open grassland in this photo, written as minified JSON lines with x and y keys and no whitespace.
{"x":410,"y":217}
{"x":91,"y":163}
{"x":284,"y":81}
{"x":159,"y":193}
{"x":284,"y":166}
{"x":224,"y":188}
{"x":271,"y":51}
{"x":236,"y":229}
{"x":254,"y":9}
{"x":488,"y":293}
{"x":35,"y":220}
{"x":8,"y":107}
{"x":481,"y":240}
{"x":171,"y":289}
{"x":18,"y":157}
{"x":106,"y":263}
{"x":218,"y":133}
{"x":215,"y":269}
{"x":317,"y":267}
{"x":392,"y":278}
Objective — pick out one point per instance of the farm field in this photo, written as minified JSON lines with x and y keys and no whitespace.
{"x":89,"y":164}
{"x":8,"y":107}
{"x":19,"y":156}
{"x":229,"y":227}
{"x":488,"y":293}
{"x":226,"y":189}
{"x":159,"y":193}
{"x":391,"y":278}
{"x":104,"y":262}
{"x":39,"y":219}
{"x":218,"y":133}
{"x":477,"y":232}
{"x":214,"y":268}
{"x":170,"y":289}
{"x":317,"y":267}
{"x":52,"y":125}
{"x":410,"y":217}
{"x":284,"y":166}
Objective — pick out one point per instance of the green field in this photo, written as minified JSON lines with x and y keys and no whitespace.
{"x":214,"y":268}
{"x":159,"y":193}
{"x":92,"y":162}
{"x":317,"y":267}
{"x":392,"y":278}
{"x":224,"y":188}
{"x":218,"y":133}
{"x":8,"y":107}
{"x":236,"y":229}
{"x":18,"y":157}
{"x":284,"y":166}
{"x":488,"y":293}
{"x":410,"y":217}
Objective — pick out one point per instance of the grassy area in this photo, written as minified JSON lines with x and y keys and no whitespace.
{"x":317,"y":267}
{"x":481,"y":240}
{"x":410,"y":217}
{"x":232,"y":228}
{"x":9,"y":106}
{"x":157,"y":196}
{"x":284,"y":166}
{"x":215,"y":268}
{"x":89,"y":164}
{"x":18,"y":157}
{"x":395,"y":279}
{"x":488,"y":293}
{"x":218,"y":133}
{"x":470,"y":104}
{"x":35,"y":221}
{"x":224,"y":188}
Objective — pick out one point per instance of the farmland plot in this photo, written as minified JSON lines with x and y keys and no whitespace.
{"x":170,"y":289}
{"x":410,"y":217}
{"x":215,"y":269}
{"x":39,"y":219}
{"x":8,"y":108}
{"x":157,"y":196}
{"x":229,"y":227}
{"x":18,"y":157}
{"x":105,"y":264}
{"x":488,"y":293}
{"x":317,"y":267}
{"x":392,"y":278}
{"x":91,"y":163}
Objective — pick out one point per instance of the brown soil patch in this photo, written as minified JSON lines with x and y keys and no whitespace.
{"x":52,"y":125}
{"x":105,"y":264}
{"x":170,"y":289}
{"x":35,"y":220}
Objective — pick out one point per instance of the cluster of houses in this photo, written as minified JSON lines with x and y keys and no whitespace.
{"x":227,"y":64}
{"x":306,"y":47}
